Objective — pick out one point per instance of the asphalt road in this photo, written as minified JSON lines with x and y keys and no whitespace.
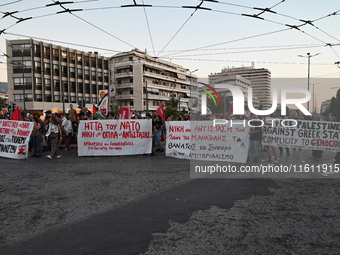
{"x":117,"y":205}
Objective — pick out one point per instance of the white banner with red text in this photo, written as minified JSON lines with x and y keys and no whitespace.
{"x":14,"y":138}
{"x":302,"y":134}
{"x":114,"y":137}
{"x":201,"y":140}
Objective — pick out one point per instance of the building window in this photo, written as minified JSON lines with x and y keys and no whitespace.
{"x":87,"y":88}
{"x":56,"y":70}
{"x":21,"y":49}
{"x":100,"y":63}
{"x":55,"y":54}
{"x":80,"y":88}
{"x":87,"y":61}
{"x":100,"y":76}
{"x":93,"y":75}
{"x":57,"y":98}
{"x":94,"y":89}
{"x":79,"y":59}
{"x":87,"y":74}
{"x":38,"y":97}
{"x":47,"y":53}
{"x":94,"y":100}
{"x":38,"y":83}
{"x":73,"y":87}
{"x":87,"y":100}
{"x":73,"y":99}
{"x":64,"y":71}
{"x":80,"y":73}
{"x":18,"y":83}
{"x":93,"y":62}
{"x":37,"y":52}
{"x":56,"y":85}
{"x":22,"y":66}
{"x":37,"y":65}
{"x":65,"y":84}
{"x":72,"y":72}
{"x":106,"y":65}
{"x":47,"y":68}
{"x":20,"y":97}
{"x":64,"y":56}
{"x":66,"y":99}
{"x":48,"y":84}
{"x":48,"y":98}
{"x":106,"y":77}
{"x":72,"y":58}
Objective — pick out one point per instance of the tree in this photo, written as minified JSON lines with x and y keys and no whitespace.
{"x":169,"y":110}
{"x":173,"y":102}
{"x":116,"y":108}
{"x":216,"y":109}
{"x":2,"y":102}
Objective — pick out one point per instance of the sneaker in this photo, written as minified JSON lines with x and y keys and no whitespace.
{"x":162,"y":150}
{"x":269,"y":159}
{"x":59,"y":156}
{"x":248,"y":160}
{"x":39,"y":155}
{"x":49,"y":156}
{"x":255,"y":160}
{"x":34,"y":155}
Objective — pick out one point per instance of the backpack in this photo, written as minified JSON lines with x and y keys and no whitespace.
{"x":42,"y":129}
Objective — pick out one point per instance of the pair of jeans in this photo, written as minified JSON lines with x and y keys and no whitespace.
{"x":158,"y":139}
{"x":37,"y":144}
{"x":254,"y":144}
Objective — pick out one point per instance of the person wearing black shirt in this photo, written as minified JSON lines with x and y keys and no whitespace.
{"x":255,"y":137}
{"x":158,"y":132}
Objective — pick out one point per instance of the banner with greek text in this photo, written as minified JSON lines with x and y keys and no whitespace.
{"x":114,"y":137}
{"x":201,"y":140}
{"x":310,"y":135}
{"x":14,"y":138}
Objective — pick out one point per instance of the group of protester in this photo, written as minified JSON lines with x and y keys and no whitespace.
{"x":255,"y":139}
{"x":58,"y":128}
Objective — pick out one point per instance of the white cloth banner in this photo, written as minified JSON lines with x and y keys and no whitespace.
{"x":200,"y":140}
{"x":114,"y":137}
{"x":14,"y":138}
{"x":310,"y":135}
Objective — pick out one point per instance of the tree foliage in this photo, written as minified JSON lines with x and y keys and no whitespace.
{"x":173,"y":102}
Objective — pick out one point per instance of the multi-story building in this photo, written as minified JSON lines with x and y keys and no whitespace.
{"x":144,"y":83}
{"x":259,"y":80}
{"x":51,"y":76}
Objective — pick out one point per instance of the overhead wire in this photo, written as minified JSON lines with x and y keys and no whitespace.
{"x":147,"y":22}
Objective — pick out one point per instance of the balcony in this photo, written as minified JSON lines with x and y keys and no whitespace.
{"x":124,"y":74}
{"x":124,"y":85}
{"x":124,"y":96}
{"x":157,"y":97}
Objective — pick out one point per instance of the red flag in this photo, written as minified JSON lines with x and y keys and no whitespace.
{"x":231,"y":110}
{"x":124,"y":113}
{"x":16,"y":114}
{"x":160,"y":112}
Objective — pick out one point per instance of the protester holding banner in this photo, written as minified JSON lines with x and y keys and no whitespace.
{"x":53,"y":133}
{"x":148,"y":117}
{"x":37,"y":138}
{"x":268,"y":148}
{"x":254,"y":138}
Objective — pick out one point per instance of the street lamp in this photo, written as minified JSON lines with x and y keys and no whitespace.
{"x":314,"y":102}
{"x":190,"y":103}
{"x":308,"y":56}
{"x":313,"y":95}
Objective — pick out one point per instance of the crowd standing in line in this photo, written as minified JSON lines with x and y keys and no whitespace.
{"x":56,"y":129}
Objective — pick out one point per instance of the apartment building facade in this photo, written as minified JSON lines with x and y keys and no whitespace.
{"x":51,"y":76}
{"x":143,"y":83}
{"x":260,"y":81}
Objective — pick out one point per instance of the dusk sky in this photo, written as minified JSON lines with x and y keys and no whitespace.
{"x":203,"y":39}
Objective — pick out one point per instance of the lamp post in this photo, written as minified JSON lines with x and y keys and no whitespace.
{"x":308,"y":56}
{"x":313,"y":96}
{"x":190,"y":87}
{"x":314,"y":102}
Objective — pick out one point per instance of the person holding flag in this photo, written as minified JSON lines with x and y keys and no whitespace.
{"x":97,"y":114}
